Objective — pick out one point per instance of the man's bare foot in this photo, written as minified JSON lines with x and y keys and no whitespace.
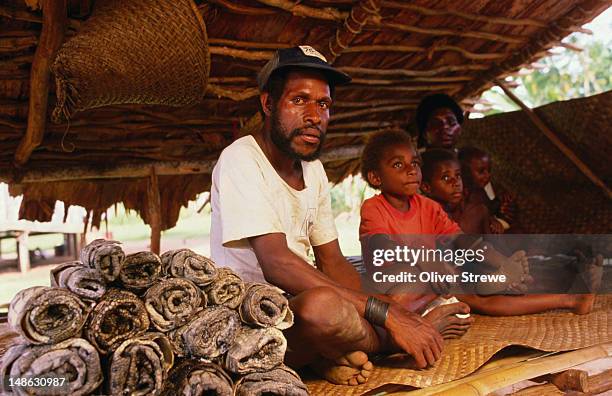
{"x":582,"y":303}
{"x":444,"y":319}
{"x":354,"y":368}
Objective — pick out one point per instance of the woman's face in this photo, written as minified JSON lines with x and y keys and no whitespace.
{"x":443,"y":129}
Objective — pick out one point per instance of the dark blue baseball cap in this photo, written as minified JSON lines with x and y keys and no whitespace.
{"x":302,"y":56}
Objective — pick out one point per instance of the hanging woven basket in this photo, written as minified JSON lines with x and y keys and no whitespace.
{"x":133,"y":51}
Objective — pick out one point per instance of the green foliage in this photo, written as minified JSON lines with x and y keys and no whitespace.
{"x":571,"y":75}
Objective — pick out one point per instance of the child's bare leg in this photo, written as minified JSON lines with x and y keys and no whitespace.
{"x":528,"y":304}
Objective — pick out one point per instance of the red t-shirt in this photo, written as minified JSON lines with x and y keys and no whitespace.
{"x":425,"y":216}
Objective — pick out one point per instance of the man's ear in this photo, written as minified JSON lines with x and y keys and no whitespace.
{"x":266,"y":103}
{"x":425,"y":187}
{"x":374,"y":179}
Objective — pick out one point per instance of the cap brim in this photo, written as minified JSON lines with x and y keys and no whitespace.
{"x":334,"y":76}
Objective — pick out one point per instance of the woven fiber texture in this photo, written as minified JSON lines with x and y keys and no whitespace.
{"x":551,"y":331}
{"x":552,"y":194}
{"x":134,"y":51}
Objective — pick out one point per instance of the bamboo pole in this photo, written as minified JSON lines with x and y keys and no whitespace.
{"x":375,"y":103}
{"x":219,"y":46}
{"x":232,"y":94}
{"x":51,"y":37}
{"x":247,"y":44}
{"x":414,"y":73}
{"x":297,"y":9}
{"x":356,"y":113}
{"x":517,"y":372}
{"x":154,"y":207}
{"x":409,"y":48}
{"x":505,"y":38}
{"x":414,"y":88}
{"x":241,"y":54}
{"x":550,"y":134}
{"x":241,"y":9}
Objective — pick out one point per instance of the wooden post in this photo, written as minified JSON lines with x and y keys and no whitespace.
{"x":154,"y":211}
{"x":23,"y":253}
{"x":51,"y":37}
{"x":539,"y":123}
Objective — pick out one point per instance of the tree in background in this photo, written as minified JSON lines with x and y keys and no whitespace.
{"x":566,"y":75}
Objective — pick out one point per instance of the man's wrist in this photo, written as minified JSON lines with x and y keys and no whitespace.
{"x":376,"y":311}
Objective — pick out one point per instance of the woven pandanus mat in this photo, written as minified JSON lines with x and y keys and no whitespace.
{"x":134,"y":51}
{"x":552,"y":331}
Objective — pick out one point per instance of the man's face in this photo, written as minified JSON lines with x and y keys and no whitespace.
{"x":446,"y":184}
{"x":443,"y":129}
{"x":300,"y":117}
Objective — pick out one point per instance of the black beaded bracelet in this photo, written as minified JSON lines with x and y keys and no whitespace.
{"x":376,"y":311}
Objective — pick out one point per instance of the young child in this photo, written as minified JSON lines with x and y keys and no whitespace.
{"x":442,"y":181}
{"x":476,"y":169}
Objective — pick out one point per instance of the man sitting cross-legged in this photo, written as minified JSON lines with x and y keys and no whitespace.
{"x":271,"y":204}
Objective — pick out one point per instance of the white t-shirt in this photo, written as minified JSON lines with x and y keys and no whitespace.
{"x":249,"y":198}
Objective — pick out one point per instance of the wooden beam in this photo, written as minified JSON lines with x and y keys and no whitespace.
{"x":154,"y":211}
{"x":143,"y":170}
{"x":414,"y":73}
{"x":351,"y":28}
{"x":550,"y":134}
{"x":51,"y":37}
{"x":465,"y":15}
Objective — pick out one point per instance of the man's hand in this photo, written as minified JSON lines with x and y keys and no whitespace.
{"x":414,"y":335}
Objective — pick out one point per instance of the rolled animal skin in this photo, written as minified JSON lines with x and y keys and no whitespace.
{"x":185,"y":263}
{"x":228,"y":289}
{"x":195,"y":378}
{"x":208,"y":335}
{"x":44,"y":315}
{"x":85,"y":282}
{"x":140,"y":365}
{"x":172,"y":302}
{"x":140,"y":270}
{"x":265,"y":306}
{"x":105,"y":256}
{"x":281,"y":381}
{"x":75,"y":362}
{"x":119,"y":316}
{"x":256,"y":350}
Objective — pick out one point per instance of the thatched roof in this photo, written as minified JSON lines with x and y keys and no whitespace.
{"x":396,"y":52}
